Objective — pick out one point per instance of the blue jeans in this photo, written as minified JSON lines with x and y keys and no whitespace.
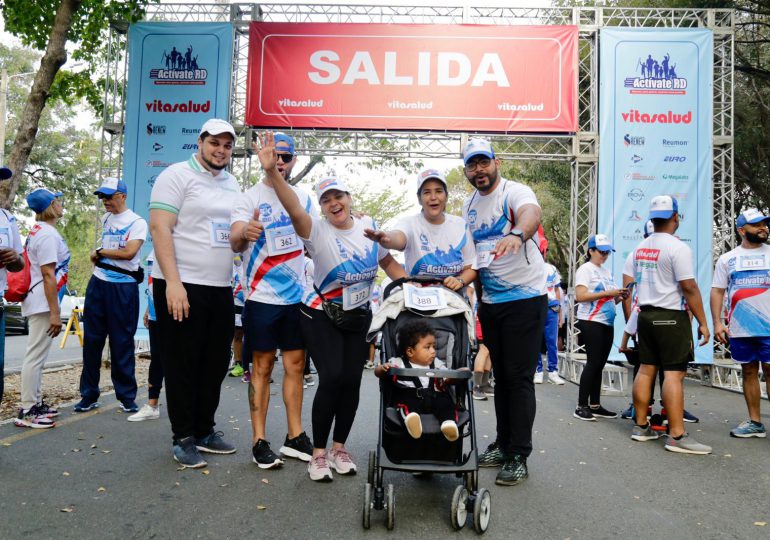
{"x":551,"y":334}
{"x":2,"y":348}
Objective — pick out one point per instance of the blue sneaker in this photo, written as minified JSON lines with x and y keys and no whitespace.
{"x":129,"y":406}
{"x":186,"y":454}
{"x":628,"y":413}
{"x":85,"y":404}
{"x":213,"y":443}
{"x":690,"y":417}
{"x":749,"y":429}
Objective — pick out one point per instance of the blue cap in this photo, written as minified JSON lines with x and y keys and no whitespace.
{"x":752,"y":216}
{"x":5,"y":173}
{"x":649,"y":228}
{"x":282,"y":137}
{"x":600,"y":242}
{"x":477,"y":147}
{"x":663,"y":207}
{"x":111,"y":186}
{"x":40,"y":199}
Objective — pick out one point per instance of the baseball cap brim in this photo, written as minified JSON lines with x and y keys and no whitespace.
{"x":661,"y":214}
{"x":472,"y":155}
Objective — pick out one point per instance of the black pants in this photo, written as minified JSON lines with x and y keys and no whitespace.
{"x":513,"y":332}
{"x":155,"y":377}
{"x":195,"y":353}
{"x":597,"y":339}
{"x":339,"y":358}
{"x":422,"y":401}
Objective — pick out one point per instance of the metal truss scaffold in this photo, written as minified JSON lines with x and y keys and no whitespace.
{"x":580,"y":149}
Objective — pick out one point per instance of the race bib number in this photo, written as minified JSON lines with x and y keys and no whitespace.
{"x":5,"y":238}
{"x":356,"y":295}
{"x":423,"y":298}
{"x":484,"y":255}
{"x":281,"y":240}
{"x":752,"y":262}
{"x":220,"y":234}
{"x":111,"y":241}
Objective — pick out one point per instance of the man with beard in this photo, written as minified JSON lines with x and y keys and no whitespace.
{"x":745,"y":273}
{"x":190,"y":225}
{"x":504,"y":217}
{"x":273,"y":270}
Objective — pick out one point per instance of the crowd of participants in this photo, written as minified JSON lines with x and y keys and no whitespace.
{"x":240,"y":272}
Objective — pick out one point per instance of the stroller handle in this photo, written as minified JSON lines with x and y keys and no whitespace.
{"x":410,"y":279}
{"x":431,"y":373}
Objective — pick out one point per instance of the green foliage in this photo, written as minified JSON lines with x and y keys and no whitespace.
{"x":79,"y":231}
{"x":382,"y":206}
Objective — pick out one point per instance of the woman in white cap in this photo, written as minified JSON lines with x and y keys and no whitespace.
{"x":49,"y":259}
{"x":597,"y":295}
{"x":335,"y":315}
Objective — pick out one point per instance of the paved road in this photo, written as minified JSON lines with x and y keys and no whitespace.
{"x":16,"y":346}
{"x":587,"y":480}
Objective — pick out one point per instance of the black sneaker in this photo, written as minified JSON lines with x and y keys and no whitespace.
{"x":601,"y":412}
{"x":85,"y":404}
{"x":584,"y":413}
{"x":514,"y":471}
{"x":299,"y":447}
{"x":264,"y":457}
{"x":129,"y":406}
{"x":213,"y":443}
{"x":44,"y":409}
{"x":492,"y":457}
{"x":185,"y":453}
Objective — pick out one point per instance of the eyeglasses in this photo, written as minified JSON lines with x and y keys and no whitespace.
{"x":473,"y":165}
{"x":286,"y":158}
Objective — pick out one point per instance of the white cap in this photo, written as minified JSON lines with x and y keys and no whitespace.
{"x":478,"y":147}
{"x":426,"y":175}
{"x":215,"y":126}
{"x":329,"y":183}
{"x":663,"y":207}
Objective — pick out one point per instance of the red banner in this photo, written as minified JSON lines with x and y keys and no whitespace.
{"x":415,"y":77}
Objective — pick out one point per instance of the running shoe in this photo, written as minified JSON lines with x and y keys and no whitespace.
{"x":478,"y":394}
{"x":85,"y":404}
{"x":186,"y":454}
{"x":341,"y":461}
{"x":319,"y":470}
{"x":450,"y":431}
{"x":687,"y":445}
{"x":553,"y":378}
{"x":147,"y":412}
{"x":213,"y":443}
{"x":369,"y":364}
{"x":628,"y":413}
{"x":601,"y":412}
{"x":488,"y":390}
{"x":644,"y":433}
{"x":690,"y":417}
{"x":264,"y":457}
{"x":32,"y":419}
{"x":749,"y":429}
{"x":539,"y":378}
{"x":246,"y":377}
{"x":514,"y":471}
{"x":492,"y":457}
{"x":299,"y":447}
{"x":584,"y":413}
{"x":43,"y":409}
{"x":309,"y":380}
{"x":237,"y":371}
{"x":129,"y":406}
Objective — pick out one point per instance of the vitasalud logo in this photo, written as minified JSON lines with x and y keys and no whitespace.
{"x":656,"y":76}
{"x":180,"y":68}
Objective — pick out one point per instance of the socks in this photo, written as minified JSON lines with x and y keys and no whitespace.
{"x":485,"y":378}
{"x":477,"y":378}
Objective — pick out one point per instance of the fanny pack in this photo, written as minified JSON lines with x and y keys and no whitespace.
{"x":353,"y":320}
{"x":137,"y":274}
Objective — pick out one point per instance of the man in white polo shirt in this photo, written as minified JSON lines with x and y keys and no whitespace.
{"x":665,"y":283}
{"x":190,"y":224}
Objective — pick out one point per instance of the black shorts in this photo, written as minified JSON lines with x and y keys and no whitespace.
{"x":665,"y":338}
{"x":268,"y":327}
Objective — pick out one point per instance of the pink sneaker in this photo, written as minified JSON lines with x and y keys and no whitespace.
{"x":341,"y":461}
{"x":319,"y":470}
{"x":246,"y":377}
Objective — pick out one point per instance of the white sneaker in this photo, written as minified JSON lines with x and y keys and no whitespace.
{"x":319,"y":470}
{"x":413,"y":424}
{"x":341,"y":461}
{"x":450,"y":431}
{"x":147,"y":412}
{"x":553,"y":378}
{"x":539,"y":378}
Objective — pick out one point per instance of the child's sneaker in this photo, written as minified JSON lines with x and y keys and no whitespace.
{"x":450,"y":431}
{"x":32,"y":419}
{"x":413,"y":425}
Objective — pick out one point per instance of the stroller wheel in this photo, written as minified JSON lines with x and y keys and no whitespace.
{"x":372,"y":466}
{"x":459,"y":511}
{"x":390,"y":503}
{"x":367,"y":515}
{"x":482,"y":509}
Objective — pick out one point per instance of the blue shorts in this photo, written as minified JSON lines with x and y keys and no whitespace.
{"x":268,"y":327}
{"x":750,"y":349}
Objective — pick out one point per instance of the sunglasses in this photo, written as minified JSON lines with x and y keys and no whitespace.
{"x":103,"y":197}
{"x":286,"y":158}
{"x":604,"y":252}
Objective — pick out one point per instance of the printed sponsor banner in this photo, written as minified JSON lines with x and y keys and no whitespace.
{"x":178,"y":77}
{"x":419,"y":77}
{"x":656,"y":123}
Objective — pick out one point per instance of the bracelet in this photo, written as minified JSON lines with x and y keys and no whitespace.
{"x":461,"y":280}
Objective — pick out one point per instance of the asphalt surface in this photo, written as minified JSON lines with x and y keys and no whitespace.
{"x":16,"y":347}
{"x":97,"y":476}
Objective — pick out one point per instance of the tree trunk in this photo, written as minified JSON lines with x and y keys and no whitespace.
{"x":54,"y":58}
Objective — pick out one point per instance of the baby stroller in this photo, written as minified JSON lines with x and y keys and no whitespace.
{"x":431,"y":453}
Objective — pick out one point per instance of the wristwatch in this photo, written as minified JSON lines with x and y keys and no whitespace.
{"x":517,"y":232}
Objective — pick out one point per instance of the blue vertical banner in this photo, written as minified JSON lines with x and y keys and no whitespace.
{"x":656,"y":116}
{"x":178,"y":77}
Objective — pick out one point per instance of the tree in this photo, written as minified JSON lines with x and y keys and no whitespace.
{"x":48,"y":25}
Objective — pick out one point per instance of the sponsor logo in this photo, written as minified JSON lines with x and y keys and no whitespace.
{"x":303,"y":103}
{"x":520,"y":106}
{"x":634,"y":216}
{"x":154,"y":129}
{"x":646,"y":254}
{"x":156,"y":163}
{"x":638,"y":177}
{"x":636,"y":158}
{"x":410,"y":105}
{"x":669,"y":142}
{"x":151,"y":180}
{"x":637,"y":235}
{"x":676,"y":177}
{"x":191,"y":146}
{"x":634,"y":116}
{"x":424,"y":244}
{"x":265,"y":211}
{"x":191,"y":131}
{"x":680,"y":196}
{"x":633,"y":140}
{"x":157,"y":147}
{"x":472,"y":215}
{"x":675,"y":159}
{"x":179,"y":68}
{"x":636,"y":194}
{"x":160,"y":106}
{"x":655,"y":76}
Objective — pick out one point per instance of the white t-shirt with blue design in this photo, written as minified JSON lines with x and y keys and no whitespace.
{"x":117,"y":231}
{"x":745,"y":274}
{"x":596,"y":279}
{"x":9,"y":238}
{"x":436,"y":250}
{"x":552,"y":282}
